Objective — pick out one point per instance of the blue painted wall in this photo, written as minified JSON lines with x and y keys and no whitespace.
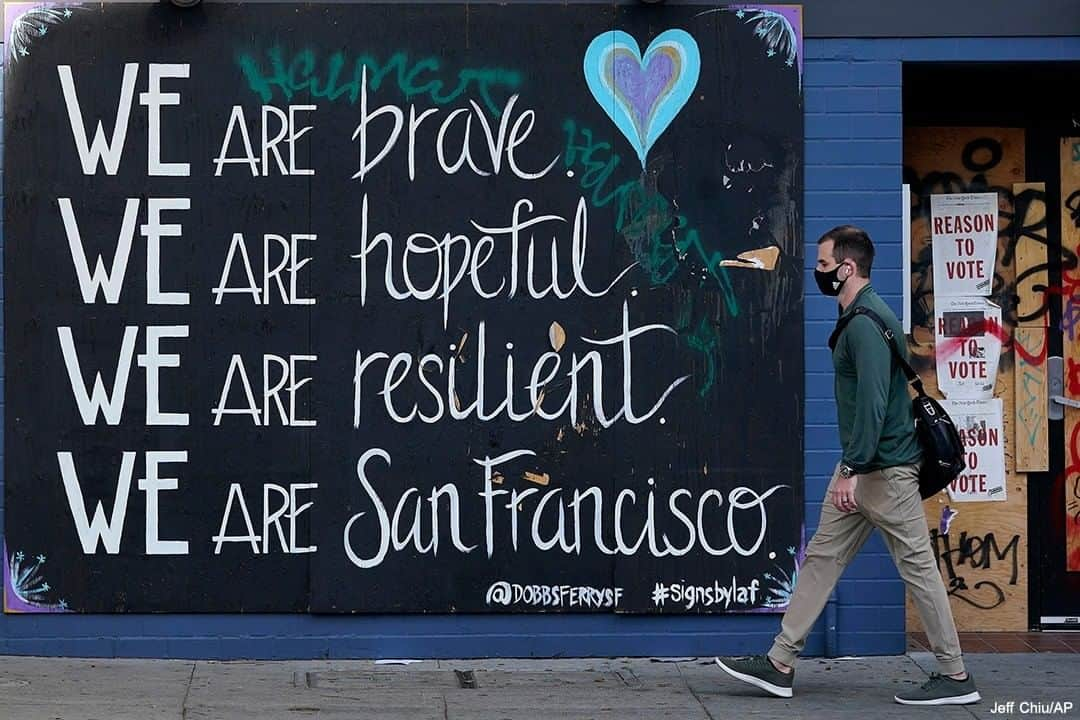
{"x":853,"y":174}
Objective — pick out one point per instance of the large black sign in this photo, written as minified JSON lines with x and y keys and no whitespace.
{"x":347,"y":308}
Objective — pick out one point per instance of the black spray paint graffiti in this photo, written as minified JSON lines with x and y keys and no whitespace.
{"x":1072,"y":204}
{"x":1024,"y":281}
{"x":977,"y":553}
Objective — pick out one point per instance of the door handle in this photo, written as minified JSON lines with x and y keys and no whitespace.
{"x":1067,"y":402}
{"x":1055,"y":380}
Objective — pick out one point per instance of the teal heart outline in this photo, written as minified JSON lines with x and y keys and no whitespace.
{"x":666,"y":107}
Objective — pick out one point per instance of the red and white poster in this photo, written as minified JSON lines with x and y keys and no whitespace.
{"x":967,"y":341}
{"x":964,"y":235}
{"x":979,"y":425}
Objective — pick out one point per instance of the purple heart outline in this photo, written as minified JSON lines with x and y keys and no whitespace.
{"x":642,"y":89}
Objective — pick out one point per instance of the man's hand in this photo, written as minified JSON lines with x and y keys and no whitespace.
{"x":843,"y":493}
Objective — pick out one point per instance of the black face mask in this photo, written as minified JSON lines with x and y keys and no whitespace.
{"x":829,"y":282}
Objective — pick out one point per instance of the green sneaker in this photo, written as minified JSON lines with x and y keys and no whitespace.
{"x":941,"y":690}
{"x":759,"y":672}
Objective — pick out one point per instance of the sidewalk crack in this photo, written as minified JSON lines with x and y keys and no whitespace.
{"x":970,"y":711}
{"x":709,"y":715}
{"x":916,"y":664}
{"x":187,"y":692}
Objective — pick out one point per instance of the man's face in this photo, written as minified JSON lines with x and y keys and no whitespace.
{"x":825,"y":260}
{"x":827,"y":263}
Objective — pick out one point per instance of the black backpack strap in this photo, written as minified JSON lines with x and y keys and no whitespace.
{"x":890,"y":339}
{"x":839,"y":330}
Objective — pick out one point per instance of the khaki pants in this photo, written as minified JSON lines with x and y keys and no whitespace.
{"x":888,"y":500}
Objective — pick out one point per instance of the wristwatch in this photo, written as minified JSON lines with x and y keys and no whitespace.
{"x":846,"y":471}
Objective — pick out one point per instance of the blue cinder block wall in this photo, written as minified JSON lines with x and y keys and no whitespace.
{"x":854,"y":134}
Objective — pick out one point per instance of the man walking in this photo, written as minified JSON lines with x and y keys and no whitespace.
{"x":875,"y":485}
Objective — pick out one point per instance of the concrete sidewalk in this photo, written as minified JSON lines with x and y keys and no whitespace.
{"x":619,"y":689}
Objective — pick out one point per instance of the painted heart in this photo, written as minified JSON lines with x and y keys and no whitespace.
{"x":642,"y":94}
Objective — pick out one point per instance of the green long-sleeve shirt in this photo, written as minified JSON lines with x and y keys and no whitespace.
{"x":873,"y":407}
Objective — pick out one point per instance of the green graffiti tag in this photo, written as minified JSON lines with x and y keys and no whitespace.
{"x":658,"y":237}
{"x":643,"y":216}
{"x":701,"y":336}
{"x":332,"y":80}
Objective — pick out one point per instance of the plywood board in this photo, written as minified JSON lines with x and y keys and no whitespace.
{"x":1029,"y":376}
{"x":1029,"y":338}
{"x":1070,"y":315}
{"x":981,"y":547}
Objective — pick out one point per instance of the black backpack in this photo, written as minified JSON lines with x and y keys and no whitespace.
{"x":943,"y":453}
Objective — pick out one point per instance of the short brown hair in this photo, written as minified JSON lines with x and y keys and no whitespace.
{"x":851,"y":243}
